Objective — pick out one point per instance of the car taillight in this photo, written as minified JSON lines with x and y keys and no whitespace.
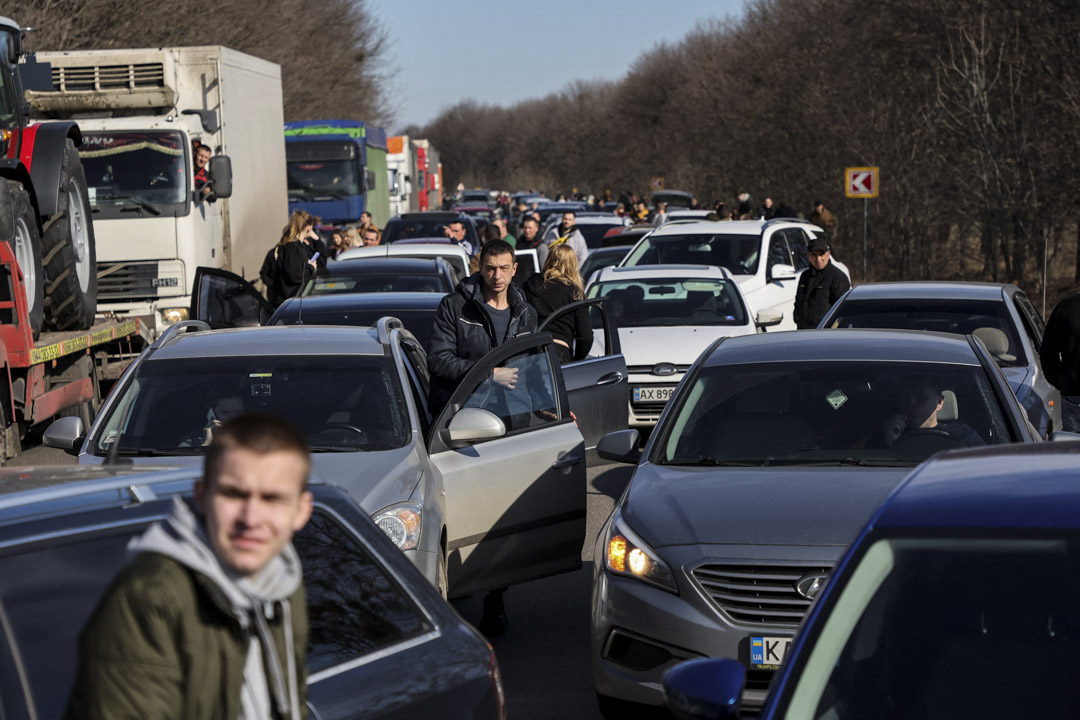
{"x":497,"y":684}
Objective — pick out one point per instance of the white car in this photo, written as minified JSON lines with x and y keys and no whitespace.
{"x":765,"y":257}
{"x":667,"y":316}
{"x":686,"y":214}
{"x":453,"y":254}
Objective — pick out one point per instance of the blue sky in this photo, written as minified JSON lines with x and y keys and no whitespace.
{"x":498,"y":52}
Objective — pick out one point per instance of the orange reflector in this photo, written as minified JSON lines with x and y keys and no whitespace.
{"x":616,"y":553}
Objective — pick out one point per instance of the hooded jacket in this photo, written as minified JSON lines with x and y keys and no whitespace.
{"x":571,"y":237}
{"x":178,"y":636}
{"x":463,"y":333}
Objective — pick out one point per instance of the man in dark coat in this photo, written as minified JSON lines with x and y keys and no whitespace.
{"x":820,"y":286}
{"x":1060,"y":356}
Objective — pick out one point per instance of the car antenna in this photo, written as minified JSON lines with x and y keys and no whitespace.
{"x":300,"y":290}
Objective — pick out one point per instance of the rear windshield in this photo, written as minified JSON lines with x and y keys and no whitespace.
{"x":399,"y":229}
{"x":333,"y":282}
{"x":418,"y":322}
{"x":988,"y":320}
{"x":594,"y":232}
{"x":737,"y":253}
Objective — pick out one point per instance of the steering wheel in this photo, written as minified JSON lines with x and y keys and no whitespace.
{"x":360,"y":433}
{"x":920,"y":443}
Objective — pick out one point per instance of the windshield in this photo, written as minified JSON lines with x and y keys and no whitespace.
{"x":341,"y":402}
{"x":671,"y":301}
{"x":128,"y":170}
{"x":737,"y":253}
{"x":989,"y":320}
{"x":821,"y":413}
{"x":594,"y":232}
{"x":323,"y":168}
{"x":924,"y":627}
{"x":335,"y":282}
{"x":418,"y":322}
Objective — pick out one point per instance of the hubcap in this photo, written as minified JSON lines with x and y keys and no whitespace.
{"x":24,"y":255}
{"x":80,"y":235}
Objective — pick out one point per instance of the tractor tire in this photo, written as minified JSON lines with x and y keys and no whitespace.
{"x":27,"y":249}
{"x":70,"y":255}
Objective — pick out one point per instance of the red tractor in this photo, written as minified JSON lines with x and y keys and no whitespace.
{"x":44,"y":206}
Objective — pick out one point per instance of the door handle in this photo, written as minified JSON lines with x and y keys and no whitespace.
{"x":566,"y":461}
{"x":610,"y":378}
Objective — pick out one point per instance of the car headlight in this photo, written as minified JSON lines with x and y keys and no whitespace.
{"x":171,"y":316}
{"x":626,"y":554}
{"x":401,"y":523}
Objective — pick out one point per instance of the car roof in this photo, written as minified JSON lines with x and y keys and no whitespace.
{"x":272,"y":340}
{"x":395,"y":263}
{"x":433,"y":215}
{"x":598,"y":219}
{"x":1003,"y":486}
{"x":17,"y":483}
{"x":389,"y":301}
{"x":679,"y":272}
{"x":844,"y":344}
{"x":929,"y":290}
{"x":710,"y":227}
{"x":404,"y":248}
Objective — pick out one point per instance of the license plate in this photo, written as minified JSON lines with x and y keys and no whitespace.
{"x":655,"y":393}
{"x":768,"y":652}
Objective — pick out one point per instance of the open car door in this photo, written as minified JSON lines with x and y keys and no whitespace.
{"x":513,"y":468}
{"x":222,"y":299}
{"x":597,"y":386}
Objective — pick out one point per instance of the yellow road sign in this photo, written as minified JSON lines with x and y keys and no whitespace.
{"x":657,"y":183}
{"x":861,"y":182}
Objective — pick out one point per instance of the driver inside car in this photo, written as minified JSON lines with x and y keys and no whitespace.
{"x":922,"y":402}
{"x":224,"y":407}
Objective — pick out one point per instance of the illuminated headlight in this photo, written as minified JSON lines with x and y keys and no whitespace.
{"x":171,"y":316}
{"x":627,"y":555}
{"x":401,"y":523}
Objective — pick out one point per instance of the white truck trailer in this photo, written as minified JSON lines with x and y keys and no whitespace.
{"x":142,"y":112}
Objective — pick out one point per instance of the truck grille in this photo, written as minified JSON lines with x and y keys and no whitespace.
{"x":758,"y":594}
{"x":129,"y":281}
{"x":76,"y":78}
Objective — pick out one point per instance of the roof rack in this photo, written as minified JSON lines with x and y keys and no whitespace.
{"x":385,"y":326}
{"x":788,"y":219}
{"x":173,"y":330}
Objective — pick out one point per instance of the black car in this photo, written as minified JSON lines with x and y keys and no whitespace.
{"x":415,"y":310}
{"x":382,"y":642}
{"x":602,"y":257}
{"x":427,"y":225}
{"x":383,"y":274}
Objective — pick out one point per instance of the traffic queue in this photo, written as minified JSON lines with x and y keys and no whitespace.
{"x":431,"y":422}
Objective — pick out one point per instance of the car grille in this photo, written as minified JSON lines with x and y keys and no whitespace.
{"x":758,"y":594}
{"x":647,"y":370}
{"x":129,"y":281}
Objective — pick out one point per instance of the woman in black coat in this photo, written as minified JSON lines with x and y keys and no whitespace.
{"x":292,"y":262}
{"x":558,"y":285}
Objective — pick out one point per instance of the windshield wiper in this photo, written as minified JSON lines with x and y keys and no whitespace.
{"x":720,"y":462}
{"x":332,"y":448}
{"x":848,"y":461}
{"x":130,"y":202}
{"x":154,"y":452}
{"x":320,"y":195}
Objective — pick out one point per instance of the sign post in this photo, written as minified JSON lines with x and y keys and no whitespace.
{"x":862,"y":182}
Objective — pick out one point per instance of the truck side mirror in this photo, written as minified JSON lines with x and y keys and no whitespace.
{"x":221,"y":175}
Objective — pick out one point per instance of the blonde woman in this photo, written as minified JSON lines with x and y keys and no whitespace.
{"x":353,"y":238}
{"x":558,"y":285}
{"x":293,"y":257}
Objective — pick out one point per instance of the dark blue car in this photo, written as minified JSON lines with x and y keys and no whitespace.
{"x":960,"y":598}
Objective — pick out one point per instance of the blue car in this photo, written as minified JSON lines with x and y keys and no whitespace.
{"x":958,"y":599}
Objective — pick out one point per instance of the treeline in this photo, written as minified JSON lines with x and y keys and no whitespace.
{"x":332,"y":52}
{"x":970,"y":108}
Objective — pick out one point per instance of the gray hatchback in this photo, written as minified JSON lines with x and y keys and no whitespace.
{"x":773,"y":453}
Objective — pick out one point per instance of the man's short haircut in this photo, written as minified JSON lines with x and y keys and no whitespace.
{"x":456,"y":222}
{"x":371,"y":229}
{"x":204,"y":147}
{"x":494,"y":248}
{"x":491,"y":233}
{"x":260,"y":433}
{"x":531,"y":219}
{"x":570,"y":212}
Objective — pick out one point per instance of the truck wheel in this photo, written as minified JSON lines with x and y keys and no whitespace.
{"x":28,"y":253}
{"x":70,"y":255}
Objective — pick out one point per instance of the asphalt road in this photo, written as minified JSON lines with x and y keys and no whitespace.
{"x":544,"y":656}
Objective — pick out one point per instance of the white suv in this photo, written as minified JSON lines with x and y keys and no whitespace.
{"x":765,"y":257}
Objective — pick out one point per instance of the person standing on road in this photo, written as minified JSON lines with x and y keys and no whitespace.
{"x":820,"y":286}
{"x":823,"y":218}
{"x":455,"y":231}
{"x":767,"y":211}
{"x":293,"y":257}
{"x":209,"y":617}
{"x":567,"y":232}
{"x":1060,"y":358}
{"x":556,"y":287}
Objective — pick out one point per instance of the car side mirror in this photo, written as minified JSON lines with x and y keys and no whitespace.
{"x":1064,"y":436}
{"x":221,"y":175}
{"x":768,"y":318}
{"x":471,"y":425}
{"x":705,"y":689}
{"x":781,"y":271}
{"x":620,"y":446}
{"x":66,"y":434}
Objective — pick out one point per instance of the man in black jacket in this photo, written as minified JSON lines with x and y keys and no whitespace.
{"x":484,"y":311}
{"x":1060,"y":357}
{"x":820,"y":286}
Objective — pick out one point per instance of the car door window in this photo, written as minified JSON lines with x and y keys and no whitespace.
{"x":419,"y":390}
{"x":1031,"y":319}
{"x":797,"y":243}
{"x":355,"y":607}
{"x":778,"y":250}
{"x":530,"y":402}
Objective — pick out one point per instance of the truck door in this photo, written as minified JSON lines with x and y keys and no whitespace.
{"x":597,"y":386}
{"x":515,"y":487}
{"x":225,"y":300}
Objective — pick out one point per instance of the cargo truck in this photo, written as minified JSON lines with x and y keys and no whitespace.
{"x":430,"y":171}
{"x":142,"y":112}
{"x":337,"y":170}
{"x":405,"y":184}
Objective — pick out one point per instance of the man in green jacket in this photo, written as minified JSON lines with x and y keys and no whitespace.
{"x":208,"y":620}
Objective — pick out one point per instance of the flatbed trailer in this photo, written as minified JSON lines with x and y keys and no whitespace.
{"x":61,"y":373}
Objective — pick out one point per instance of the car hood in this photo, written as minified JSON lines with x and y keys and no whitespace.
{"x":676,"y":345}
{"x":373,"y":479}
{"x":755,"y":506}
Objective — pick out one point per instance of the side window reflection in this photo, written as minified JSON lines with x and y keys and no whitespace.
{"x":522,"y":391}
